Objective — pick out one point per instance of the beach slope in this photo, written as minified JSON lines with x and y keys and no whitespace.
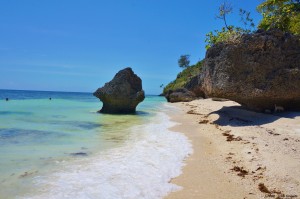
{"x":238,"y":153}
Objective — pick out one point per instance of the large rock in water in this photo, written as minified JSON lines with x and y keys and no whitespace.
{"x":180,"y":95}
{"x":122,"y":94}
{"x":257,"y":70}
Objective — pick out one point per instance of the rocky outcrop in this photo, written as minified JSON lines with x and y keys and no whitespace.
{"x":180,"y":95}
{"x":258,"y":71}
{"x":194,"y":85}
{"x":122,"y":94}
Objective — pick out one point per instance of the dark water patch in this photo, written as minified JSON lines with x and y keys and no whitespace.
{"x":58,"y":116}
{"x":137,"y":113}
{"x":46,"y":158}
{"x":15,"y":113}
{"x":142,"y":113}
{"x":77,"y":124}
{"x":76,"y":96}
{"x":87,"y":125}
{"x":79,"y":154}
{"x":23,"y":95}
{"x":81,"y":125}
{"x":21,"y":136}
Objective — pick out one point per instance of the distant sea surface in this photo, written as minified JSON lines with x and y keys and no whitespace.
{"x":63,"y":148}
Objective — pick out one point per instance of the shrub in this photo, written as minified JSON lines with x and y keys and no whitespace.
{"x":183,"y":77}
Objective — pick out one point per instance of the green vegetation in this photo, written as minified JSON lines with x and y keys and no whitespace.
{"x":281,"y":14}
{"x":184,"y":76}
{"x":184,"y":61}
{"x":229,"y":33}
{"x":224,"y":35}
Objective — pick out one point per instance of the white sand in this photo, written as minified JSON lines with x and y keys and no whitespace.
{"x":266,"y":146}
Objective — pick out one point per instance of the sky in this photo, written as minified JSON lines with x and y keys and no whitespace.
{"x":78,"y":45}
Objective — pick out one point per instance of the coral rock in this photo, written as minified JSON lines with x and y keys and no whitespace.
{"x":258,"y":70}
{"x":180,"y":95}
{"x":122,"y":94}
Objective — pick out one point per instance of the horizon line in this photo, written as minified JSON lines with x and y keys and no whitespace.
{"x":61,"y":91}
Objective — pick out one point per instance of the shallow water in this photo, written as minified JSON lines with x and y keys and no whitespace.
{"x":55,"y":148}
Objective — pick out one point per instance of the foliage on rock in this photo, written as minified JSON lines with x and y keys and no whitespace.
{"x":261,"y":71}
{"x":229,"y":33}
{"x":184,"y":61}
{"x":224,"y":35}
{"x":280,"y":14}
{"x":183,"y":77}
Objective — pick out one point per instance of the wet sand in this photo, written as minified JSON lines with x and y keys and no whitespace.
{"x":238,"y":153}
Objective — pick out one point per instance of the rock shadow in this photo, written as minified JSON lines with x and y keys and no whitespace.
{"x":142,"y":113}
{"x":137,"y":113}
{"x":239,"y":116}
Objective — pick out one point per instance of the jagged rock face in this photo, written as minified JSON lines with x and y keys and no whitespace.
{"x":258,"y":71}
{"x":122,"y":94}
{"x":194,"y":85}
{"x":180,"y":95}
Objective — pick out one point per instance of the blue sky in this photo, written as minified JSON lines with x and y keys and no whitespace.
{"x":78,"y":45}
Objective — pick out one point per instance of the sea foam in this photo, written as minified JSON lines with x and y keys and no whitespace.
{"x":140,"y":169}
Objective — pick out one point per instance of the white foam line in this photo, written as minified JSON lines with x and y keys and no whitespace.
{"x":139,"y":170}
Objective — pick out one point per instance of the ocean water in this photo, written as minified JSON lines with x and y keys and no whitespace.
{"x":63,"y":148}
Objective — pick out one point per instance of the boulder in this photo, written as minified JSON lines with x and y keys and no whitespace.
{"x":194,"y":85}
{"x":180,"y":95}
{"x":122,"y":94}
{"x":258,"y":70}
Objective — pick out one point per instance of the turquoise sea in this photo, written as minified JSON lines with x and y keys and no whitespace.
{"x":63,"y":148}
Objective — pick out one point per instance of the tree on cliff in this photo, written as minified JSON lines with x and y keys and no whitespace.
{"x":229,"y":32}
{"x":184,"y":61}
{"x":281,"y":14}
{"x":225,"y":9}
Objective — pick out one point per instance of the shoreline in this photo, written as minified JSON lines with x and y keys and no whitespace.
{"x":237,"y":153}
{"x":148,"y":161}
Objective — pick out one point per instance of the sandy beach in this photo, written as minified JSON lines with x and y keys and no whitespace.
{"x":238,"y":153}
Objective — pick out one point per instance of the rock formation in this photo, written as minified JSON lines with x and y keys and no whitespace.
{"x":122,"y":94}
{"x":257,"y":70}
{"x":180,"y":95}
{"x":194,"y":85}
